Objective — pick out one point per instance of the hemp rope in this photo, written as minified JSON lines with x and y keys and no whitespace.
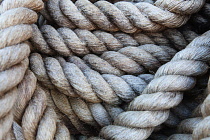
{"x":164,"y":92}
{"x":97,"y":114}
{"x":123,"y":16}
{"x":15,"y":29}
{"x":202,"y":129}
{"x":65,"y":41}
{"x":34,"y":117}
{"x":186,"y":127}
{"x":73,"y":80}
{"x":2,"y":12}
{"x":197,"y":127}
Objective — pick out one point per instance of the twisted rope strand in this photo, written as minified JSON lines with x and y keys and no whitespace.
{"x":168,"y":84}
{"x":65,"y":41}
{"x":130,"y":60}
{"x":187,"y":126}
{"x":202,"y":129}
{"x":92,"y":113}
{"x":85,"y":82}
{"x":15,"y":28}
{"x":35,"y":118}
{"x":122,"y":16}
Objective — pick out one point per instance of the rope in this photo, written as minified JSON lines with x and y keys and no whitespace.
{"x":15,"y":29}
{"x":33,"y":117}
{"x":131,"y":60}
{"x":94,"y":114}
{"x":73,"y":80}
{"x":187,"y":126}
{"x":164,"y":92}
{"x":114,"y":17}
{"x":202,"y":129}
{"x":80,"y":42}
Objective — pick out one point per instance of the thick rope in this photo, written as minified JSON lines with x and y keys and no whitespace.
{"x":15,"y":29}
{"x":187,"y":126}
{"x":66,"y":42}
{"x":130,"y":60}
{"x":36,"y":120}
{"x":123,"y":16}
{"x":164,"y":92}
{"x":77,"y":79}
{"x":94,"y":114}
{"x":202,"y":129}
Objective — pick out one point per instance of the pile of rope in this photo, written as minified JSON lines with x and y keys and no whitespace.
{"x":95,"y":70}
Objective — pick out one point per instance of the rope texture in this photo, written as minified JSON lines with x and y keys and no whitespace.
{"x":188,"y":126}
{"x":15,"y":29}
{"x":34,"y":114}
{"x":202,"y":129}
{"x":75,"y":79}
{"x":79,"y":79}
{"x":164,"y":92}
{"x":66,"y":42}
{"x":123,"y":16}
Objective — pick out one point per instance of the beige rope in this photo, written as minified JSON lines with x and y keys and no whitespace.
{"x":36,"y":120}
{"x":187,"y":126}
{"x":164,"y":92}
{"x":202,"y":129}
{"x":114,"y":17}
{"x":77,"y":79}
{"x":65,"y":41}
{"x":131,"y":60}
{"x":15,"y":29}
{"x":93,"y":114}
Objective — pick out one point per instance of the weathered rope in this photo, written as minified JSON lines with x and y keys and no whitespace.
{"x":35,"y":119}
{"x":15,"y":29}
{"x":131,"y":60}
{"x":66,"y":42}
{"x":202,"y":129}
{"x":94,"y":114}
{"x":123,"y":16}
{"x":187,"y":126}
{"x":76,"y":79}
{"x":164,"y":92}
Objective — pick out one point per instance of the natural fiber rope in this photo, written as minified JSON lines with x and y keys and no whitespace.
{"x":202,"y":129}
{"x":36,"y":119}
{"x":131,"y":60}
{"x":187,"y":126}
{"x":15,"y":28}
{"x":96,"y":114}
{"x":77,"y":79}
{"x":65,"y":41}
{"x":164,"y":92}
{"x":126,"y":16}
